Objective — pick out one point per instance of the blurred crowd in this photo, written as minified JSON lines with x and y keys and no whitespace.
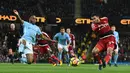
{"x":108,"y":8}
{"x":26,"y":8}
{"x":65,"y":8}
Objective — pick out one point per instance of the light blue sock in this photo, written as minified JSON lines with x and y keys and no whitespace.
{"x":67,"y":58}
{"x":60,"y":55}
{"x":110,"y":60}
{"x":115,"y":58}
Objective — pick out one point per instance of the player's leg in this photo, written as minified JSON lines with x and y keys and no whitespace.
{"x":23,"y":59}
{"x":110,"y":62}
{"x":67,"y":54}
{"x":28,"y":50}
{"x":110,"y":47}
{"x":60,"y":50}
{"x":109,"y":55}
{"x":96,"y":50}
{"x":35,"y":58}
{"x":116,"y":55}
{"x":36,"y":50}
{"x":52,"y":60}
{"x":47,"y":49}
{"x":52,"y":55}
{"x":71,"y":51}
{"x":29,"y":58}
{"x":21,"y":49}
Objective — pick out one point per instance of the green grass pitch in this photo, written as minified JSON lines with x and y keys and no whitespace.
{"x":48,"y":68}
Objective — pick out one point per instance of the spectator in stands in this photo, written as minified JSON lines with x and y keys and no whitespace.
{"x":12,"y":37}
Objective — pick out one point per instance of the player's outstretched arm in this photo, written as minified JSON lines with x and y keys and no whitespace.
{"x":16,"y":12}
{"x":46,"y":38}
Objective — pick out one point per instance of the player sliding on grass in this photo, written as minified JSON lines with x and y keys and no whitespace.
{"x":43,"y":47}
{"x":106,"y":39}
{"x":29,"y":37}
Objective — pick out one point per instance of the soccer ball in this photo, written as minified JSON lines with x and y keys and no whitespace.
{"x":74,"y":61}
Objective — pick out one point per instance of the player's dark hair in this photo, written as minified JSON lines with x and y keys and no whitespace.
{"x":95,"y":14}
{"x":113,"y":26}
{"x":32,"y":15}
{"x":67,"y":28}
{"x":62,"y":28}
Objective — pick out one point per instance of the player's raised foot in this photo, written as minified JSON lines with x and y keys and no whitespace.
{"x":60,"y":63}
{"x":100,"y":67}
{"x":115,"y":65}
{"x":54,"y":64}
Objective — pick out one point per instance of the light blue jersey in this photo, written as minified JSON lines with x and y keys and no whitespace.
{"x":30,"y":32}
{"x":62,"y":39}
{"x":116,"y":35}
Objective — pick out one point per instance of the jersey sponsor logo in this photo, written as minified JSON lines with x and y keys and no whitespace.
{"x":111,"y":42}
{"x":101,"y":26}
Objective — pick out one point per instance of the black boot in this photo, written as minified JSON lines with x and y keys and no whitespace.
{"x":100,"y":67}
{"x":11,"y":58}
{"x":115,"y":65}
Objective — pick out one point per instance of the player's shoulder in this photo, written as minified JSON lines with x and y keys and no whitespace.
{"x":66,"y":34}
{"x":71,"y":34}
{"x":58,"y":33}
{"x":26,"y":22}
{"x":44,"y":33}
{"x":35,"y":25}
{"x":104,"y":18}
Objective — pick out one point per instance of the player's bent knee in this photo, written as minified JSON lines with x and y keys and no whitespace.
{"x":110,"y":51}
{"x":116,"y":52}
{"x":29,"y":58}
{"x":95,"y":50}
{"x":59,"y":49}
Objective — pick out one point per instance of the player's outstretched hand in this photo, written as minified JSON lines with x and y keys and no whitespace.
{"x":16,"y":12}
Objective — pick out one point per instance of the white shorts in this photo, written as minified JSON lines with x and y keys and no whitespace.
{"x":28,"y":49}
{"x":63,"y":47}
{"x":117,"y":48}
